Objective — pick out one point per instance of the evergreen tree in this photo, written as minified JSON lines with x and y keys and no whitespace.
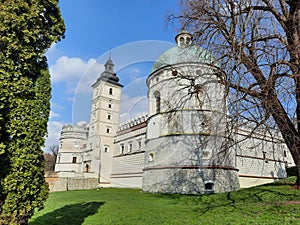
{"x":27,"y":30}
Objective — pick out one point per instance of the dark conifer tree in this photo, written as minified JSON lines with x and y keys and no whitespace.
{"x":27,"y":30}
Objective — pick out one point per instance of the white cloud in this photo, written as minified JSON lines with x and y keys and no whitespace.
{"x":90,"y":75}
{"x":70,"y":99}
{"x":79,"y":75}
{"x":52,"y":53}
{"x":56,"y":106}
{"x":133,"y":107}
{"x":135,"y":70}
{"x":54,"y":129}
{"x":53,"y":114}
{"x":66,"y":69}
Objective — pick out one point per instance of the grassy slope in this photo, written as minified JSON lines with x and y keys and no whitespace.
{"x":259,"y":205}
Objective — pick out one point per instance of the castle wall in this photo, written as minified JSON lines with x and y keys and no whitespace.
{"x":129,"y":154}
{"x":190,"y":180}
{"x":181,"y":164}
{"x":260,"y":158}
{"x":128,"y":170}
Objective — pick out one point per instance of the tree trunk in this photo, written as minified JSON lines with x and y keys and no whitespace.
{"x":297,"y":184}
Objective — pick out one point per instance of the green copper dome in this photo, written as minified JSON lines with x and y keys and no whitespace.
{"x":183,"y":54}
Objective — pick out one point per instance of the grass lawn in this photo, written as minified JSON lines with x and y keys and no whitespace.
{"x":268,"y":204}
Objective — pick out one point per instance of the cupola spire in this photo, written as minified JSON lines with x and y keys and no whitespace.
{"x":108,"y":74}
{"x":109,"y":65}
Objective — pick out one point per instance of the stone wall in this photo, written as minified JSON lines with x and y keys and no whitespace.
{"x":51,"y":179}
{"x":57,"y":183}
{"x":190,"y":181}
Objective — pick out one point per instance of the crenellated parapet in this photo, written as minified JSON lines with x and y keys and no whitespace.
{"x":133,"y":122}
{"x":78,"y":131}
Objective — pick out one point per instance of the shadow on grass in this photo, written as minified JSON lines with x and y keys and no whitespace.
{"x":267,"y":194}
{"x":70,"y":214}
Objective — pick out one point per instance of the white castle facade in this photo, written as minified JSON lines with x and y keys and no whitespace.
{"x":182,"y":146}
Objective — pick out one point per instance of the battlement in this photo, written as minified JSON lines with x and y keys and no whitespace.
{"x":78,"y":131}
{"x":133,"y":122}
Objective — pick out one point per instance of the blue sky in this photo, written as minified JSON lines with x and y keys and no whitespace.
{"x":133,"y":32}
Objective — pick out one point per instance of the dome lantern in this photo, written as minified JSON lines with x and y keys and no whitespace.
{"x":183,"y":39}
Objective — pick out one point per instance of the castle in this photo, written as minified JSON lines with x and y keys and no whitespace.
{"x":182,"y":145}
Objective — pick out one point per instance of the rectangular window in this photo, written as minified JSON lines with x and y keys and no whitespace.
{"x":108,"y":130}
{"x":110,"y":91}
{"x":139,"y":145}
{"x":109,"y":117}
{"x":122,"y":149}
{"x":76,"y":145}
{"x":74,"y":159}
{"x":130,"y":147}
{"x":105,"y":148}
{"x":265,"y":157}
{"x":109,"y":106}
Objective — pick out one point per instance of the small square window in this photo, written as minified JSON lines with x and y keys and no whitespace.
{"x":209,"y":188}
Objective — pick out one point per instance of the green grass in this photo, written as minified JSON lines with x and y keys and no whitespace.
{"x":259,"y":205}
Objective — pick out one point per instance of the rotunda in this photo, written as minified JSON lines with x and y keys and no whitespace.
{"x":186,"y":141}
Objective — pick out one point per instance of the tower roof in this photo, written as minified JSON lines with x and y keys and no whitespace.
{"x":108,"y":74}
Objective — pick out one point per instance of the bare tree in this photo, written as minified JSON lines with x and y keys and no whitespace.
{"x":256,"y":48}
{"x":54,"y":150}
{"x":50,"y":157}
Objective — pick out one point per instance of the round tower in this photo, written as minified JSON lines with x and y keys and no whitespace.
{"x":72,"y":140}
{"x":186,"y":141}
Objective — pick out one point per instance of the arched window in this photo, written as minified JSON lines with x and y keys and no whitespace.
{"x":188,"y":41}
{"x":157,"y":101}
{"x":110,"y":91}
{"x":181,"y":41}
{"x":151,"y":157}
{"x":199,"y":96}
